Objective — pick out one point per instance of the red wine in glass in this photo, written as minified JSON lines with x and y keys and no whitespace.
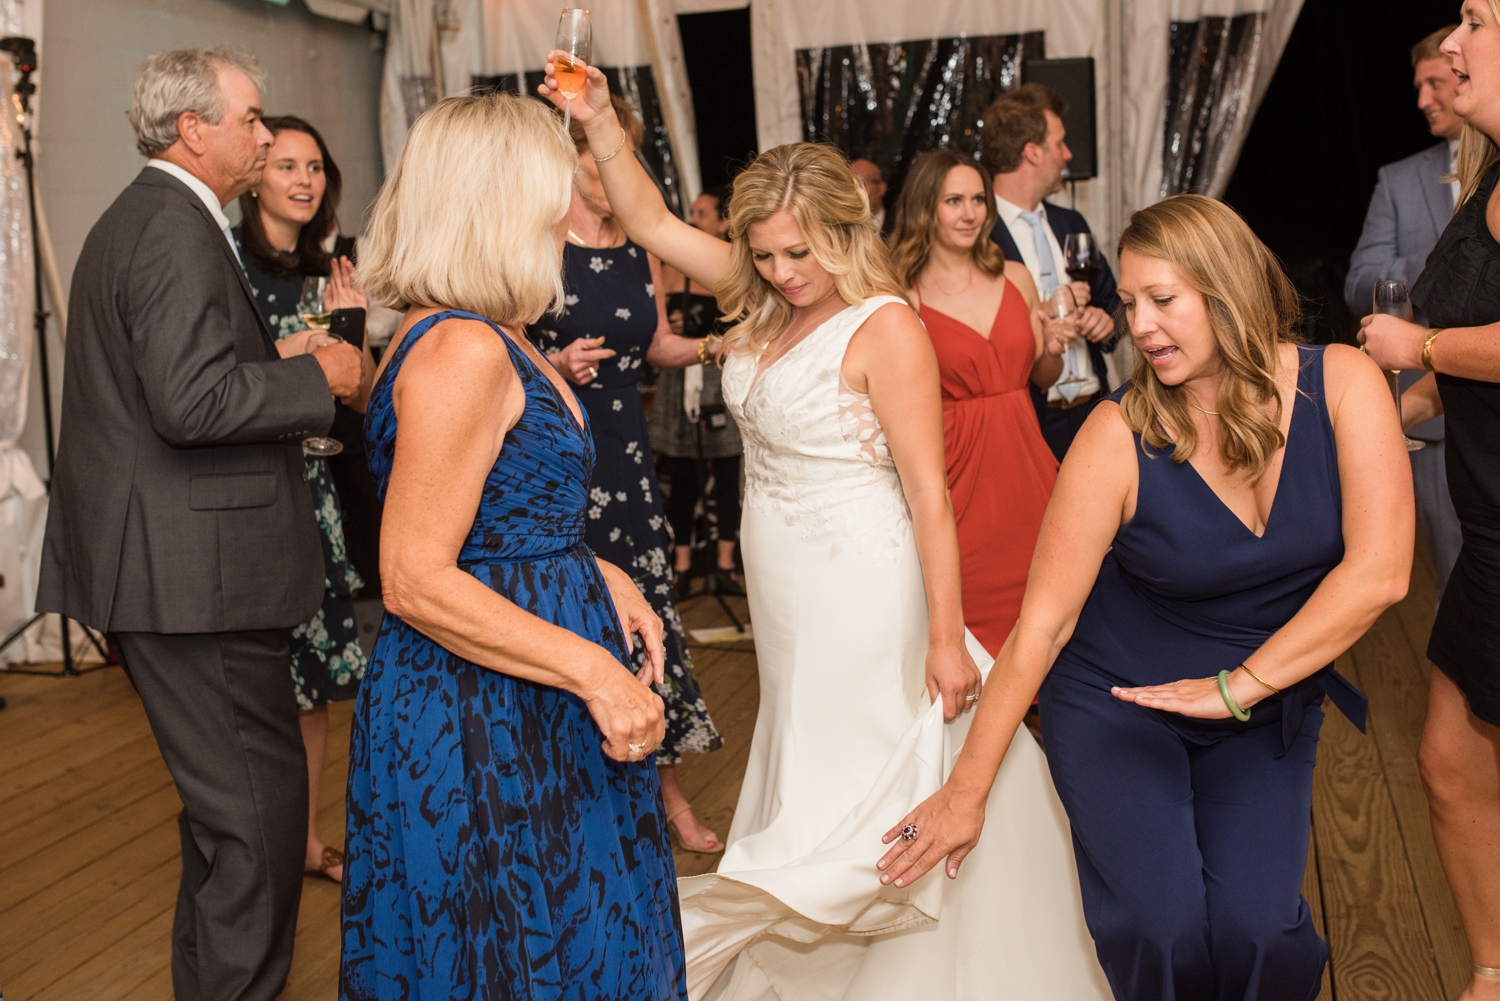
{"x":1080,"y":257}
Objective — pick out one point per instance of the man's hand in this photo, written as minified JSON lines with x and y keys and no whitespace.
{"x":1081,"y":293}
{"x":1095,"y":324}
{"x":342,"y":368}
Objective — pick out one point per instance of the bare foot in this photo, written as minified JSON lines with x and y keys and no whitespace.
{"x":1482,"y":988}
{"x":694,"y":836}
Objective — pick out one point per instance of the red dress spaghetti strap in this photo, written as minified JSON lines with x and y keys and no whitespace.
{"x":1000,"y":470}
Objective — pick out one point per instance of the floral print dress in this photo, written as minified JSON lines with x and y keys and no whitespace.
{"x":609,"y":294}
{"x":327,"y":662}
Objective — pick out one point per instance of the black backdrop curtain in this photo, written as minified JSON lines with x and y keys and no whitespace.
{"x":887,"y":103}
{"x":1210,"y":79}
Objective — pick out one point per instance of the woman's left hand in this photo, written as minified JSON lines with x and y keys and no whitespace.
{"x":1199,"y":698}
{"x":947,"y":823}
{"x":953,"y":677}
{"x":343,"y":292}
{"x":1393,"y":344}
{"x":637,"y":616}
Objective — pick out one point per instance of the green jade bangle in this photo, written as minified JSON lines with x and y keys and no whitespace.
{"x":1234,"y":707}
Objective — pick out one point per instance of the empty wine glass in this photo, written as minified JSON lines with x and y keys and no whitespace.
{"x":575,"y":38}
{"x":1393,"y":299}
{"x":311,"y":307}
{"x":319,"y":445}
{"x":1062,"y":318}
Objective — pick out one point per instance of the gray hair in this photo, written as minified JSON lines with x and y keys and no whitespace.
{"x":179,"y":81}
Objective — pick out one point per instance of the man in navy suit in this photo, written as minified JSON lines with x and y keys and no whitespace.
{"x":1023,"y":143}
{"x":1408,"y":212}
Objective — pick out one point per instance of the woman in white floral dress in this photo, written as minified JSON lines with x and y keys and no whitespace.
{"x":613,"y":320}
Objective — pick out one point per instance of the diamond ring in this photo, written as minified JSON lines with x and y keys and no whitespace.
{"x":637,"y":748}
{"x":909,"y":832}
{"x":971,"y":698}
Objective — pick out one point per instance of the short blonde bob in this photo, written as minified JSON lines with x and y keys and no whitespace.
{"x":814,"y":183}
{"x":467,"y":218}
{"x":1252,"y":308}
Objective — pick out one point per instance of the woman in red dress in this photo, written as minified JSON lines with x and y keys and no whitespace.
{"x":981,"y":313}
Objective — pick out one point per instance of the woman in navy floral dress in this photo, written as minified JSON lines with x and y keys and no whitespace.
{"x":505,"y":830}
{"x":613,"y":320}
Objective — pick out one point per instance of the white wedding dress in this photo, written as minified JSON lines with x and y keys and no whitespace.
{"x":846,"y":742}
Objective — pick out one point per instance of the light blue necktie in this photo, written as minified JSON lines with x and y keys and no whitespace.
{"x":229,"y":235}
{"x":1045,"y":265}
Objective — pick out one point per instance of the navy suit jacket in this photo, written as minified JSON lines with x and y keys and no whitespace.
{"x":1101,"y":291}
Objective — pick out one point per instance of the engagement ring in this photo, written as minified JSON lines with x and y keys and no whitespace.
{"x":909,"y":832}
{"x":637,"y":748}
{"x":971,"y":698}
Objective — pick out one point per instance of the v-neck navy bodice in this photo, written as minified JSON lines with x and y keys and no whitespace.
{"x":1188,"y":590}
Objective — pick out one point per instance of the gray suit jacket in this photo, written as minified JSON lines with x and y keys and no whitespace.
{"x":1409,"y":210}
{"x":179,"y":503}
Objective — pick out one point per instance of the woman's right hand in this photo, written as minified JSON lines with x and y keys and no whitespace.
{"x":579,"y":361}
{"x":591,"y":103}
{"x":629,"y":714}
{"x":1057,"y":336}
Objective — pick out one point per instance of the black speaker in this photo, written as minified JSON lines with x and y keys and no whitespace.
{"x":1074,"y":80}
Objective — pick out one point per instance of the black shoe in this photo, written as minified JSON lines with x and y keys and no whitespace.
{"x":723,"y":582}
{"x":682,"y":587}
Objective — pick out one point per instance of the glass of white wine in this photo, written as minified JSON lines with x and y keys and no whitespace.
{"x":1393,"y":299}
{"x":575,"y":39}
{"x":320,"y":445}
{"x":311,"y":307}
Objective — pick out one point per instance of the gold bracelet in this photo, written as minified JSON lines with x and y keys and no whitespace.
{"x":703,"y":350}
{"x":1257,"y":677}
{"x":1427,"y":348}
{"x":601,"y":159}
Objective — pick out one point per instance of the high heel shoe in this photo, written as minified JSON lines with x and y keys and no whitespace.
{"x":711,"y":846}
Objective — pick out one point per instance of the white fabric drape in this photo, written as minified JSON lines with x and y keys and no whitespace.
{"x":434,"y":49}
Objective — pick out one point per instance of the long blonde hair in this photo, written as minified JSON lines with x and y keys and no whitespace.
{"x":916,"y":215}
{"x":1477,"y":152}
{"x":1252,"y":309}
{"x":814,"y":183}
{"x":466,"y":219}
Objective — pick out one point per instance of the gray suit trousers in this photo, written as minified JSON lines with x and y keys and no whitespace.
{"x":222,"y":708}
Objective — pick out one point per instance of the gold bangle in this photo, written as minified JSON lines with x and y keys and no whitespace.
{"x":1427,"y":348}
{"x":601,"y":159}
{"x":1263,"y":681}
{"x":703,"y":350}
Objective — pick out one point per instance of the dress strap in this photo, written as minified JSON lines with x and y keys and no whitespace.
{"x":422,"y":326}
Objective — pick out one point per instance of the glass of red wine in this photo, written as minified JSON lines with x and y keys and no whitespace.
{"x":1080,"y":257}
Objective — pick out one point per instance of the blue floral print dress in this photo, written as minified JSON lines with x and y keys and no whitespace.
{"x":609,"y":294}
{"x":327,"y":661}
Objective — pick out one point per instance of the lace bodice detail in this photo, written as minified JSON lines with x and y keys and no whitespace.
{"x":814,"y":450}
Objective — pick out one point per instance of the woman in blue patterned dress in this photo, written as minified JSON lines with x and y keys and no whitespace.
{"x":285,"y":220}
{"x":613,"y":319}
{"x":505,"y":832}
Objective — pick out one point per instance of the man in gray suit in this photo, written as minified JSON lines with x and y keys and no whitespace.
{"x":180,"y":523}
{"x":1408,"y":212}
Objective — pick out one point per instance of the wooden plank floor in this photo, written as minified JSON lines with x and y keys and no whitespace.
{"x":89,"y":856}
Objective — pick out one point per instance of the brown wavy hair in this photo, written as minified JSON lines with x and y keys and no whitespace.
{"x":1252,"y":309}
{"x":916,"y":216}
{"x":813,"y":182}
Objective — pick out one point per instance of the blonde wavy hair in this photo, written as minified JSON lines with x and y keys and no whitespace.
{"x":1477,"y":152}
{"x":814,"y":183}
{"x":1252,"y":309}
{"x":466,"y":219}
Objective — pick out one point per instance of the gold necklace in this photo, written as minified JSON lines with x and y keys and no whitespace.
{"x":1211,"y":413}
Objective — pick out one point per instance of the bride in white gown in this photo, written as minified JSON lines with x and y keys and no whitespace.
{"x":851,"y":562}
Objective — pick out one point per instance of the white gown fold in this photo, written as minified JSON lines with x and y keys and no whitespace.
{"x":846,"y":743}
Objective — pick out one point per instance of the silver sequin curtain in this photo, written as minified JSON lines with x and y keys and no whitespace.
{"x":637,"y":85}
{"x":1210,"y":87}
{"x":16,"y":327}
{"x":888,"y":103}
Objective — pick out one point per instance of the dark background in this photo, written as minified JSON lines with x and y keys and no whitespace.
{"x":1340,"y":106}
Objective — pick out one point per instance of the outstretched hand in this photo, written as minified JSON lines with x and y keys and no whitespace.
{"x":1199,"y":698}
{"x":591,"y":103}
{"x":947,"y":824}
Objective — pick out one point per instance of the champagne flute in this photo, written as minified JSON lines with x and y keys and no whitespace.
{"x":319,"y":445}
{"x":575,"y":38}
{"x":311,"y":307}
{"x":1062,"y":317}
{"x":1080,"y":257}
{"x":1392,"y":299}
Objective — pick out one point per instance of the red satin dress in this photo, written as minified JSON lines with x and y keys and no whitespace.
{"x":1000,"y":470}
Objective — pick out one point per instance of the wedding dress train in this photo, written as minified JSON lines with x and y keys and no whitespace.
{"x":846,"y":742}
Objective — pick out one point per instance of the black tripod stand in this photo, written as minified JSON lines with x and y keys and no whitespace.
{"x":23,"y":51}
{"x":713,"y":582}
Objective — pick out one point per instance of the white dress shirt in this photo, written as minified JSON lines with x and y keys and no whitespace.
{"x":1453,"y":185}
{"x":1020,"y":231}
{"x":205,"y":195}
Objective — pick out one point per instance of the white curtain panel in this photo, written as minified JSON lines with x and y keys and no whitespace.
{"x":436,"y":47}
